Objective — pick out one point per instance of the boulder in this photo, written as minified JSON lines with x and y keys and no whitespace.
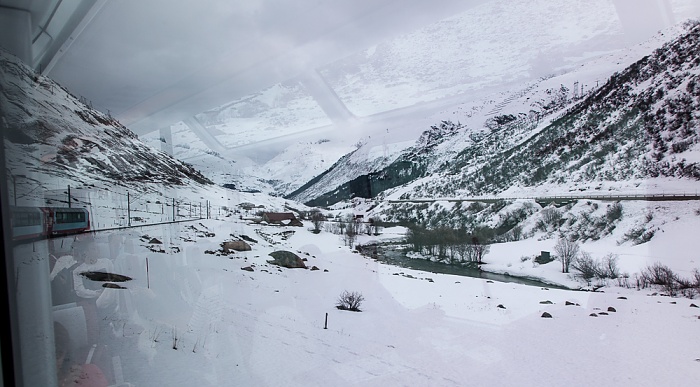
{"x":286,"y":259}
{"x":546,"y":315}
{"x":247,"y":268}
{"x":235,"y":246}
{"x":611,"y":309}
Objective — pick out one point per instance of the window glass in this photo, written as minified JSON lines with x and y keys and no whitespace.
{"x":368,"y":192}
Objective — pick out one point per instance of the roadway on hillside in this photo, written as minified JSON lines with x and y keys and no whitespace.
{"x":560,"y":198}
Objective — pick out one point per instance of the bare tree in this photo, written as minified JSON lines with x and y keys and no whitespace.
{"x":479,"y":250}
{"x":317,"y":219}
{"x":586,"y":266}
{"x":376,"y":223}
{"x":567,"y":251}
{"x":352,"y":228}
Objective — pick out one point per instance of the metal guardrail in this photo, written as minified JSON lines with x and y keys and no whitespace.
{"x":560,"y":198}
{"x":137,"y":225}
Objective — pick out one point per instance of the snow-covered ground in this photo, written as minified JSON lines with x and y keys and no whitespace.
{"x":193,"y":318}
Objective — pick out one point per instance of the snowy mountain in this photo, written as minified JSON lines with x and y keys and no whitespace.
{"x":281,"y":109}
{"x":636,"y":127}
{"x":54,"y":140}
{"x":632,"y":133}
{"x":450,"y":62}
{"x":254,"y":171}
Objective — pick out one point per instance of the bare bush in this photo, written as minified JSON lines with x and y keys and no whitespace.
{"x":662,"y":275}
{"x":350,"y":301}
{"x":608,"y":267}
{"x":623,"y":281}
{"x":658,"y":274}
{"x":549,"y":217}
{"x":614,"y":212}
{"x":589,"y":268}
{"x":586,"y":267}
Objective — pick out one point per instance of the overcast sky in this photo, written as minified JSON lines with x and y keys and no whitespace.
{"x":138,"y":57}
{"x":133,"y":48}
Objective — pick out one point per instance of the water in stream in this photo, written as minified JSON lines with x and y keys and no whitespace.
{"x":398,"y":258}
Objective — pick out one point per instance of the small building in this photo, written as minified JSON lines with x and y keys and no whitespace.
{"x":281,"y":218}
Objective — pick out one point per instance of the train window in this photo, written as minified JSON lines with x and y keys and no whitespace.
{"x":22,"y":219}
{"x":69,"y":217}
{"x":349,"y":193}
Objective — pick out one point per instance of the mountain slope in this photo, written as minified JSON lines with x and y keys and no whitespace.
{"x":639,"y":125}
{"x":634,"y":131}
{"x":50,"y":133}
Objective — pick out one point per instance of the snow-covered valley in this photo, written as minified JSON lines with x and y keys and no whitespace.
{"x":440,"y":157}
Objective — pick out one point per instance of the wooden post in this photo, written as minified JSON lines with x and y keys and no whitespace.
{"x":69,"y":204}
{"x":148,"y":278}
{"x":325,"y":325}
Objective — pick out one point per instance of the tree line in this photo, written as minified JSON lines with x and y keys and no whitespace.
{"x":447,"y":244}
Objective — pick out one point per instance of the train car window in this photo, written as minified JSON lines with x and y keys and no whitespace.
{"x":349,"y":192}
{"x":69,"y":217}
{"x":22,"y":218}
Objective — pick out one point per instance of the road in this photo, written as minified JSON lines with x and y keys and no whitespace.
{"x":560,"y":198}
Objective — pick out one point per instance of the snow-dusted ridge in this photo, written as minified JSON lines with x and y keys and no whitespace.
{"x":504,"y":147}
{"x":54,"y":140}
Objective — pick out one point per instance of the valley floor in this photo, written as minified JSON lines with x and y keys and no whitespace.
{"x":265,"y":327}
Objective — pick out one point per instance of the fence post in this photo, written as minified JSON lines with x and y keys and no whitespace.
{"x":128,"y":209}
{"x":69,"y":205}
{"x":173,"y":209}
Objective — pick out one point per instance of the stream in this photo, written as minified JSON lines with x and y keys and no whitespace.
{"x":398,"y":258}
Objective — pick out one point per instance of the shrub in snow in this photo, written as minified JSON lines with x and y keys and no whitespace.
{"x":662,"y":275}
{"x":350,"y":301}
{"x":549,"y":217}
{"x":585,"y":266}
{"x":614,"y":212}
{"x":589,"y":268}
